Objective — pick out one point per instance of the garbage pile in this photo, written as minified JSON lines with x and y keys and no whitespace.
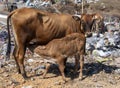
{"x":107,"y":45}
{"x":3,"y":43}
{"x":55,"y":6}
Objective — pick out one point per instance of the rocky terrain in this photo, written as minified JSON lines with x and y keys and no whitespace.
{"x":101,"y":69}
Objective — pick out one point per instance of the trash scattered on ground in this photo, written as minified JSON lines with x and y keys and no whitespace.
{"x":103,"y":52}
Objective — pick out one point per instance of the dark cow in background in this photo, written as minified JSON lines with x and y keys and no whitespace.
{"x":60,"y":49}
{"x":31,"y":24}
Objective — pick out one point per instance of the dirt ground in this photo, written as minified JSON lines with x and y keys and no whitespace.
{"x":96,"y":75}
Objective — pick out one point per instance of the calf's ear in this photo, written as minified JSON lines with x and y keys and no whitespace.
{"x":77,"y":18}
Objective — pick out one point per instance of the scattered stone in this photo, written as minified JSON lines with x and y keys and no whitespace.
{"x":5,"y":74}
{"x":99,"y":86}
{"x":117,"y":71}
{"x":30,"y":60}
{"x":32,"y":79}
{"x":27,"y":86}
{"x":15,"y":82}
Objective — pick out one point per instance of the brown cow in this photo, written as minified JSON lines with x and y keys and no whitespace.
{"x":29,"y":24}
{"x":92,"y":22}
{"x":61,"y":49}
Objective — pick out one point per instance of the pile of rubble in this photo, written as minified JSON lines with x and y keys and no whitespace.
{"x":3,"y":43}
{"x":107,"y":44}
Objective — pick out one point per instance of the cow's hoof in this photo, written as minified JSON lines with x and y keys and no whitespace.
{"x":25,"y":76}
{"x":65,"y":80}
{"x":19,"y":72}
{"x":80,"y":78}
{"x":42,"y":77}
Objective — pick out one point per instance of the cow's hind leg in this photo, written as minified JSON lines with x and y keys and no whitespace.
{"x":20,"y":59}
{"x":15,"y":57}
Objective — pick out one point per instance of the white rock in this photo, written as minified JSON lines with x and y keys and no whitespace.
{"x":30,"y":60}
{"x":27,"y":86}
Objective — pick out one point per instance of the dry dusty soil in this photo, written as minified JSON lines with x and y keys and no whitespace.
{"x":96,"y":75}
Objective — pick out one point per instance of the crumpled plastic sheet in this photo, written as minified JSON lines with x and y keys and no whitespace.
{"x":103,"y":49}
{"x":37,"y":3}
{"x":101,"y":53}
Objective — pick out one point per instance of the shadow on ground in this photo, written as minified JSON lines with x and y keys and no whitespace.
{"x":89,"y":70}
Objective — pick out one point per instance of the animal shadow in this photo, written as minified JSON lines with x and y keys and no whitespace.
{"x":88,"y":70}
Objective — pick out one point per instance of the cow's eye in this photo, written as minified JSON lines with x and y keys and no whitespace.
{"x":82,"y":21}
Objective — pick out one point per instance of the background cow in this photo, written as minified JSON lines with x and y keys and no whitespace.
{"x":29,"y":24}
{"x":61,"y":49}
{"x":93,"y":22}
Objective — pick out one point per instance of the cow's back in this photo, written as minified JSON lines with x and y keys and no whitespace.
{"x":42,"y":25}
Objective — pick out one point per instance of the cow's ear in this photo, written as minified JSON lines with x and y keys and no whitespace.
{"x":94,"y":17}
{"x":77,"y":18}
{"x":97,"y":16}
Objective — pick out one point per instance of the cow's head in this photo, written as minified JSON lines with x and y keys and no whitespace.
{"x":84,"y":25}
{"x":89,"y":22}
{"x":78,"y":19}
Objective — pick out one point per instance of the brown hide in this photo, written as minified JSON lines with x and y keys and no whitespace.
{"x":92,"y":22}
{"x":60,"y":49}
{"x":29,"y":24}
{"x":42,"y":25}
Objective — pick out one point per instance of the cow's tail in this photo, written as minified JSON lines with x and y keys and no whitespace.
{"x":9,"y":37}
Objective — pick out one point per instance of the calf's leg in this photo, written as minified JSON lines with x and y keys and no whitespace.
{"x":46,"y":70}
{"x":62,"y":67}
{"x":77,"y":58}
{"x":81,"y":67}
